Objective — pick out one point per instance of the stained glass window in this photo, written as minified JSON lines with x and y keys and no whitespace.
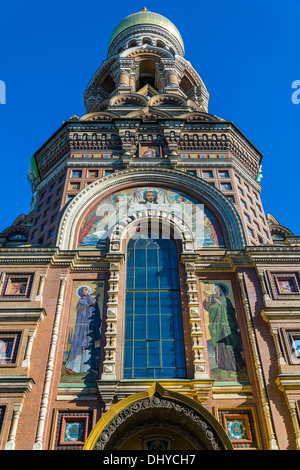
{"x":154,"y":344}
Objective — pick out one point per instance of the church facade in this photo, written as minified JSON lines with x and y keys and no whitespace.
{"x":147,"y":301}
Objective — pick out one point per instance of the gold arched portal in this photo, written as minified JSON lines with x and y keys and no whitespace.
{"x":158,"y":419}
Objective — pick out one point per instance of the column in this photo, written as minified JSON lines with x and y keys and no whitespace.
{"x":10,"y":445}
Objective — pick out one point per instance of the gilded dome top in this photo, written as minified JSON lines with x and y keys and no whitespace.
{"x":146,"y":17}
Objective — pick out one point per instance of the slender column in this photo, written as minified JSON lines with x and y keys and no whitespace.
{"x":293,"y":411}
{"x":10,"y":445}
{"x":39,"y":296}
{"x":50,"y":365}
{"x":26,"y":360}
{"x":263,"y":286}
{"x":280,"y":355}
{"x":273,"y":445}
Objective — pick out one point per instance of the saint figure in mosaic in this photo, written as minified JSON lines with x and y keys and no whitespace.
{"x":81,"y":357}
{"x":223,"y":329}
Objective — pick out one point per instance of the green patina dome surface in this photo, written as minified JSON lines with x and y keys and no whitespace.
{"x":146,"y":17}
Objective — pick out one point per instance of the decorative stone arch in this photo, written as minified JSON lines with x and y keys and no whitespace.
{"x":104,"y":67}
{"x":16,"y":230}
{"x":138,"y":50}
{"x":125,"y":227}
{"x":195,"y":106}
{"x":215,"y":199}
{"x":101,"y":106}
{"x":191,"y":73}
{"x":133,"y":99}
{"x":167,"y":98}
{"x":158,"y":411}
{"x":201,"y":116}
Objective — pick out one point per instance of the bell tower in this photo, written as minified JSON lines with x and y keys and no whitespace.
{"x":145,"y":48}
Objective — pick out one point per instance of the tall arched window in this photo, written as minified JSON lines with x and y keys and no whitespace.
{"x":154,"y":346}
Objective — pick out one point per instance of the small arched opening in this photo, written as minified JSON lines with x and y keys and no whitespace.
{"x":108,"y":84}
{"x":147,"y":73}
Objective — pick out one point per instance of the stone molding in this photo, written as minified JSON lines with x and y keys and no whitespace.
{"x":156,"y":396}
{"x":182,"y":231}
{"x":157,"y":402}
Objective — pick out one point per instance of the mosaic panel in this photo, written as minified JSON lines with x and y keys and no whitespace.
{"x":284,"y":285}
{"x":9,"y":343}
{"x":82,"y":348}
{"x":98,"y":224}
{"x":72,"y":430}
{"x":226,"y":354}
{"x":17,"y":285}
{"x":241,"y":427}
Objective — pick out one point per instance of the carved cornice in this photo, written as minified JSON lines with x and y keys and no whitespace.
{"x":288,"y":382}
{"x":28,"y":315}
{"x":73,"y":260}
{"x":16,"y":384}
{"x":280,"y":313}
{"x":204,"y":259}
{"x":274,"y":254}
{"x":26,"y":256}
{"x":62,"y":143}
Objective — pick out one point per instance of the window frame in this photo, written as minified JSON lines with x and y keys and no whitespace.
{"x":146,"y":342}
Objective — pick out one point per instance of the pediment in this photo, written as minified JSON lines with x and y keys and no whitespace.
{"x":148,"y":91}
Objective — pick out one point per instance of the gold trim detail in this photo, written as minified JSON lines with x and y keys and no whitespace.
{"x":149,"y":393}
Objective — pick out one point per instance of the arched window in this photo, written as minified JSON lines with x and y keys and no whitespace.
{"x":146,"y":41}
{"x":160,"y":44}
{"x":132,"y":43}
{"x":154,"y":346}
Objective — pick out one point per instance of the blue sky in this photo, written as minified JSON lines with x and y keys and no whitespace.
{"x":246,"y":52}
